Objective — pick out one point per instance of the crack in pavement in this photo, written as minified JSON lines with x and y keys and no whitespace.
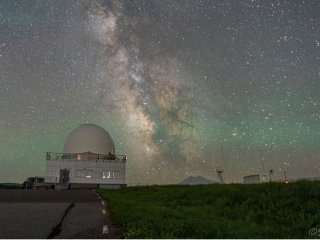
{"x":57,"y":229}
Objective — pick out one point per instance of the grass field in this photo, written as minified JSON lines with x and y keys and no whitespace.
{"x":270,"y":210}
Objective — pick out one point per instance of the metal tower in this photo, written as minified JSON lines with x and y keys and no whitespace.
{"x":219,"y":169}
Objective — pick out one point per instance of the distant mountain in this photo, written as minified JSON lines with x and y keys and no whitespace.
{"x":198,"y":180}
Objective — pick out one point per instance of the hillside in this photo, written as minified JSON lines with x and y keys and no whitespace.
{"x":270,"y":210}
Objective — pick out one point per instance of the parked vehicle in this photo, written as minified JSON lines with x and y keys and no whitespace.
{"x":37,"y":183}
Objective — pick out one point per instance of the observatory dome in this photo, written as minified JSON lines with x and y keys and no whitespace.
{"x":89,"y":138}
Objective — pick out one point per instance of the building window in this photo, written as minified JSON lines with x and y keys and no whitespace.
{"x":79,"y":173}
{"x":89,"y":174}
{"x":106,"y":174}
{"x":84,"y":173}
{"x":116,"y":174}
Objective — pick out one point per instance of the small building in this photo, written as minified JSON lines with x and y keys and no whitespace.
{"x":88,"y":161}
{"x":198,"y":180}
{"x":255,"y":178}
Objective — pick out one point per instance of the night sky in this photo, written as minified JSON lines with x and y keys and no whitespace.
{"x":177,"y":84}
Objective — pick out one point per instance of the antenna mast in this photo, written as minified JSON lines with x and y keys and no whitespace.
{"x":261,"y":158}
{"x":219,"y":169}
{"x":285,"y":176}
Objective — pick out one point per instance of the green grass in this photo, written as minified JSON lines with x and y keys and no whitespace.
{"x":271,"y":210}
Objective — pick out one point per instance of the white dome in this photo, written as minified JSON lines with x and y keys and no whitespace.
{"x":89,"y":138}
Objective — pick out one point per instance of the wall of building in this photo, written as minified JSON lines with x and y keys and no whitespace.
{"x":251,"y":179}
{"x":87,"y":171}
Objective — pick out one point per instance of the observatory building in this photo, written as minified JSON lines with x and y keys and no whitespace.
{"x":255,"y":178}
{"x":88,"y":161}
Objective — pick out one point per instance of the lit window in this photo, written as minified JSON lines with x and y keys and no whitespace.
{"x":106,"y":174}
{"x":89,"y":174}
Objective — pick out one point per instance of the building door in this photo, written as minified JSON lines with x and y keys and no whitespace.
{"x":64,"y":176}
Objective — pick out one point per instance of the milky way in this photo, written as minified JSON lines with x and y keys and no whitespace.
{"x":176,"y":83}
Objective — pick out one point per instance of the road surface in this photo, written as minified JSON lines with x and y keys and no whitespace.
{"x":54,"y":214}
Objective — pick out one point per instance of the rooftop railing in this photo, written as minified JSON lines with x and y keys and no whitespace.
{"x":84,"y":156}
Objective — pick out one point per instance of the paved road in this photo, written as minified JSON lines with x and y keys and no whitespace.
{"x":47,"y":196}
{"x":27,"y":220}
{"x":53,"y":214}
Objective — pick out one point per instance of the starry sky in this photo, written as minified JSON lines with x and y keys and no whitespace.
{"x":182,"y":86}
